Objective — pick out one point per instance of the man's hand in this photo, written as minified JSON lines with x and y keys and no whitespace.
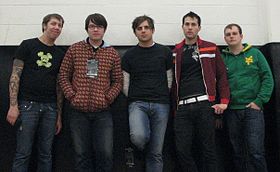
{"x":253,"y":106}
{"x":58,"y":124}
{"x":13,"y":114}
{"x":219,"y":108}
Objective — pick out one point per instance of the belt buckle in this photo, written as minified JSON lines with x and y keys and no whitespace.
{"x":191,"y":100}
{"x":202,"y":98}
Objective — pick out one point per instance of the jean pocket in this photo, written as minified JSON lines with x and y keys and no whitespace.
{"x":52,"y":107}
{"x":255,"y":110}
{"x":25,"y":106}
{"x":132,"y":106}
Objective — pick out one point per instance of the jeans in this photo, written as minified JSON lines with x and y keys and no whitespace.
{"x":246,"y":132}
{"x":195,"y":120}
{"x":147,"y":123}
{"x":37,"y":118}
{"x":92,"y":137}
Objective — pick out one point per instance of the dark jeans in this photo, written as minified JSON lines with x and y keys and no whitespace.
{"x":147,"y":123}
{"x":92,"y":136}
{"x":195,"y":120}
{"x":40,"y":118}
{"x":246,"y":131}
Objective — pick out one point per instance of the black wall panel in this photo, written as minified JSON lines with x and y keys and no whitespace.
{"x":272,"y":108}
{"x":63,"y":153}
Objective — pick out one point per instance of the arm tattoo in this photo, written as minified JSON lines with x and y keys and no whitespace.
{"x":126,"y":79}
{"x":14,"y":81}
{"x":169,"y":74}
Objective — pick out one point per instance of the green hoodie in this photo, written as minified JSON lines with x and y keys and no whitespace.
{"x":249,"y":77}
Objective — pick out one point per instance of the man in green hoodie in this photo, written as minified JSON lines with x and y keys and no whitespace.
{"x":251,"y":85}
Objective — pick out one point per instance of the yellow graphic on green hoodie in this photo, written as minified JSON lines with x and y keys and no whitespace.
{"x":249,"y":60}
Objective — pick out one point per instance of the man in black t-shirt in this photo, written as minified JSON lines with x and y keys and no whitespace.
{"x":147,"y":80}
{"x":35,"y":97}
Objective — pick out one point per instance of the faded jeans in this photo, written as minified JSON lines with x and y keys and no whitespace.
{"x":40,"y":118}
{"x":147,"y":123}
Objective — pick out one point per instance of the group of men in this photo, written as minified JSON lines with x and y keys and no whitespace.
{"x":195,"y":83}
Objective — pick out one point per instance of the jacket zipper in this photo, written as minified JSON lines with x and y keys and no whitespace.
{"x":203,"y":78}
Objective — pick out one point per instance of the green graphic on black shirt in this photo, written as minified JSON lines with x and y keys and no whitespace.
{"x":44,"y":59}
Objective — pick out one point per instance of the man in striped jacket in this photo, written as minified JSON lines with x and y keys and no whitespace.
{"x":91,"y":79}
{"x":200,"y":75}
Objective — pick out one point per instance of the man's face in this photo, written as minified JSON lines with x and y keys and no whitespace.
{"x":190,"y":28}
{"x":95,"y":32}
{"x":144,"y":33}
{"x":232,"y":36}
{"x":53,"y":28}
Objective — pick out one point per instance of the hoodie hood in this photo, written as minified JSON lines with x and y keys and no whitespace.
{"x":105,"y":44}
{"x":246,"y":47}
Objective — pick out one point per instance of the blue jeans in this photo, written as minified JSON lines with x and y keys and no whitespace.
{"x":246,"y":132}
{"x":92,"y":136}
{"x":40,"y":118}
{"x":147,"y":123}
{"x":195,"y":120}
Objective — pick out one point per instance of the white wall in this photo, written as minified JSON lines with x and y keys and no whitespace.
{"x":273,"y":23}
{"x":21,"y":19}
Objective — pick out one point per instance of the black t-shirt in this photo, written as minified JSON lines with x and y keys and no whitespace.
{"x":147,"y":68}
{"x":41,"y":67}
{"x":191,"y":83}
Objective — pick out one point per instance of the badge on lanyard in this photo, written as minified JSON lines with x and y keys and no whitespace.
{"x":92,"y":68}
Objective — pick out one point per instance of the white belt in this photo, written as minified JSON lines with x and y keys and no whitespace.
{"x":193,"y":100}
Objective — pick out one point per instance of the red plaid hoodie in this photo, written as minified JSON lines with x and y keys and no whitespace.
{"x":213,"y":71}
{"x":90,"y":94}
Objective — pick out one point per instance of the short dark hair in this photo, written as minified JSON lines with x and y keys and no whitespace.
{"x":97,"y":19}
{"x":229,"y":26}
{"x":48,"y":17}
{"x":192,"y":15}
{"x":138,"y":20}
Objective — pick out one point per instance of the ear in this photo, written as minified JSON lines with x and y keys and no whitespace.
{"x":44,"y":27}
{"x":199,"y":27}
{"x":241,"y":36}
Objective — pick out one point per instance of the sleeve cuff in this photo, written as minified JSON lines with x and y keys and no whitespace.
{"x":258,"y":102}
{"x":224,"y":101}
